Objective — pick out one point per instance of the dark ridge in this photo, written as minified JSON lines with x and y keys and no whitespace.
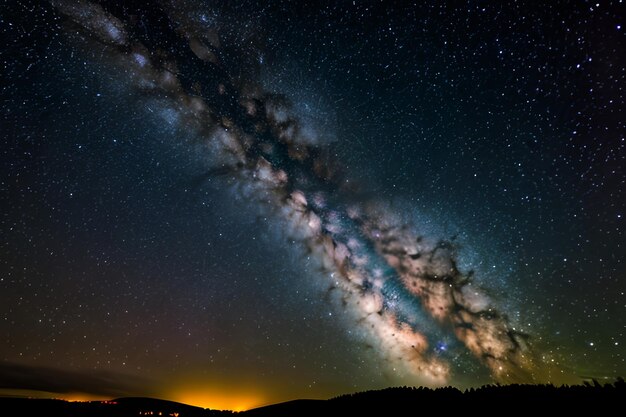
{"x":291,"y":408}
{"x":121,"y":407}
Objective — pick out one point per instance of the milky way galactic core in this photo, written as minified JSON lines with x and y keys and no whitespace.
{"x":390,"y":279}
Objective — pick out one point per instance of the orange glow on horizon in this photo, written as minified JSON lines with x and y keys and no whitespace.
{"x":213,"y":397}
{"x":70,"y":396}
{"x":80,"y":397}
{"x":218,"y":398}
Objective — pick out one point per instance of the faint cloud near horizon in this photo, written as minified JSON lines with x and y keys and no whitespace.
{"x":34,"y":381}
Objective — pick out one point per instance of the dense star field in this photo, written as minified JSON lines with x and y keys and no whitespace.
{"x":236,"y":203}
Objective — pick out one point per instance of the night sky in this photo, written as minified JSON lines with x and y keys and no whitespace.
{"x":232,"y":204}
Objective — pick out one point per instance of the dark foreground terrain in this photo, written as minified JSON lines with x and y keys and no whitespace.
{"x":490,"y":399}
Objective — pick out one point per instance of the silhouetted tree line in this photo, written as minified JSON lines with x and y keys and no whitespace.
{"x":589,"y":389}
{"x":411,"y":401}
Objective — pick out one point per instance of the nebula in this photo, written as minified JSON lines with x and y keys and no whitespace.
{"x":404,"y":291}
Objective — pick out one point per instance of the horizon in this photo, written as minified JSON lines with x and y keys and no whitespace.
{"x":78,"y":398}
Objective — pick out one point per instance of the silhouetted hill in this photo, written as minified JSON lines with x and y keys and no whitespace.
{"x":388,"y":402}
{"x":290,"y":409}
{"x":121,"y":407}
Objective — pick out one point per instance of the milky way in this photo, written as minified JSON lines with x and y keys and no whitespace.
{"x":404,"y":291}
